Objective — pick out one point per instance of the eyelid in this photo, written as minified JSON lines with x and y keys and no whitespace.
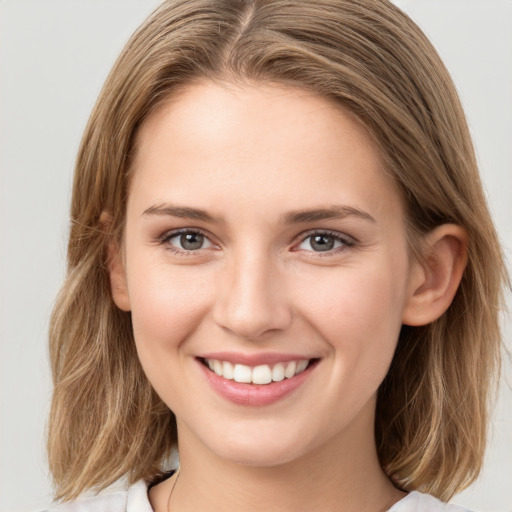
{"x":346,"y":240}
{"x":172,"y":233}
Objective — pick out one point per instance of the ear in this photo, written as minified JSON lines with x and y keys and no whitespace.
{"x":115,"y":266}
{"x":434,"y":281}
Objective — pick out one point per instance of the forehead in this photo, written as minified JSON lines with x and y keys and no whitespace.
{"x":284,"y":143}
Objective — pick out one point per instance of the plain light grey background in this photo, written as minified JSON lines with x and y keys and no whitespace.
{"x":54,"y":57}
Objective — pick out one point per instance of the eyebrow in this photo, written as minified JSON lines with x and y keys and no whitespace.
{"x":324,"y":213}
{"x":183,"y":212}
{"x":291,"y":217}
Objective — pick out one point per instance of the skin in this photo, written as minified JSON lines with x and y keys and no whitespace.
{"x":248,"y":156}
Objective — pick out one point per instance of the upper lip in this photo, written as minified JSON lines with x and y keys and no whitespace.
{"x":255,"y":359}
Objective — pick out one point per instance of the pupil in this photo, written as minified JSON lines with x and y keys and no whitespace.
{"x":322,"y":242}
{"x":191,"y":241}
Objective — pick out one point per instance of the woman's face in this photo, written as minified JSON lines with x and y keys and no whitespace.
{"x":263,"y":235}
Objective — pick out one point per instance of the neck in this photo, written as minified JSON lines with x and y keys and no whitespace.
{"x":342,"y":475}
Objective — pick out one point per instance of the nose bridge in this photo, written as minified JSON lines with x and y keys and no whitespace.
{"x":252,"y":300}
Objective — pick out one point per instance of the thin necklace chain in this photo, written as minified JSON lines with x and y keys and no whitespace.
{"x":172,"y":490}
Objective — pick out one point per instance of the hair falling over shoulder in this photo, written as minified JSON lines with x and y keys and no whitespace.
{"x":106,"y":421}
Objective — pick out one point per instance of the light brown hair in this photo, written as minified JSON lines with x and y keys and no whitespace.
{"x":105,"y":420}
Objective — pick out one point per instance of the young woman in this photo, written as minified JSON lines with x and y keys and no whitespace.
{"x":281,"y":264}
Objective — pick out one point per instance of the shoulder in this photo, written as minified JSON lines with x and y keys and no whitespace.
{"x":133,"y":499}
{"x":419,"y":502}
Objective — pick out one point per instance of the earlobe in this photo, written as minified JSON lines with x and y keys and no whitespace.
{"x":435,"y":280}
{"x":116,"y":270}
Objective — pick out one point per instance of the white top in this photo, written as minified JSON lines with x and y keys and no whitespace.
{"x":135,"y":499}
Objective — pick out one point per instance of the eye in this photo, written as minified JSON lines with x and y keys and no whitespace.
{"x":323,"y":242}
{"x":187,"y":241}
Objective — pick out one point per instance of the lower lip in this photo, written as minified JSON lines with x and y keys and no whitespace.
{"x":254,"y":394}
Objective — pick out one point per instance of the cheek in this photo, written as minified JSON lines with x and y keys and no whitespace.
{"x":359,"y":314}
{"x":167,"y":303}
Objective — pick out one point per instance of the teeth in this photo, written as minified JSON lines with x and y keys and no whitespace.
{"x":289,"y":370}
{"x":301,"y":366}
{"x":227,"y":370}
{"x":278,"y":372}
{"x":262,"y":374}
{"x":242,"y":373}
{"x":217,"y":367}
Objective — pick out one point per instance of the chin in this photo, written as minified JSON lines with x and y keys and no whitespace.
{"x":257,"y":449}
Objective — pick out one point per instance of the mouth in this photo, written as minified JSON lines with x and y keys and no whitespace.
{"x":256,"y":379}
{"x":259,"y":375}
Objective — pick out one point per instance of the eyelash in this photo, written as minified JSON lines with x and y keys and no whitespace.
{"x":169,"y":235}
{"x":346,"y":242}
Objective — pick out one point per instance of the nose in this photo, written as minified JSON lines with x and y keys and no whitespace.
{"x":252,"y":301}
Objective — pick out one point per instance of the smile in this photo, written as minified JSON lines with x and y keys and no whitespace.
{"x":256,"y":379}
{"x":261,"y":374}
